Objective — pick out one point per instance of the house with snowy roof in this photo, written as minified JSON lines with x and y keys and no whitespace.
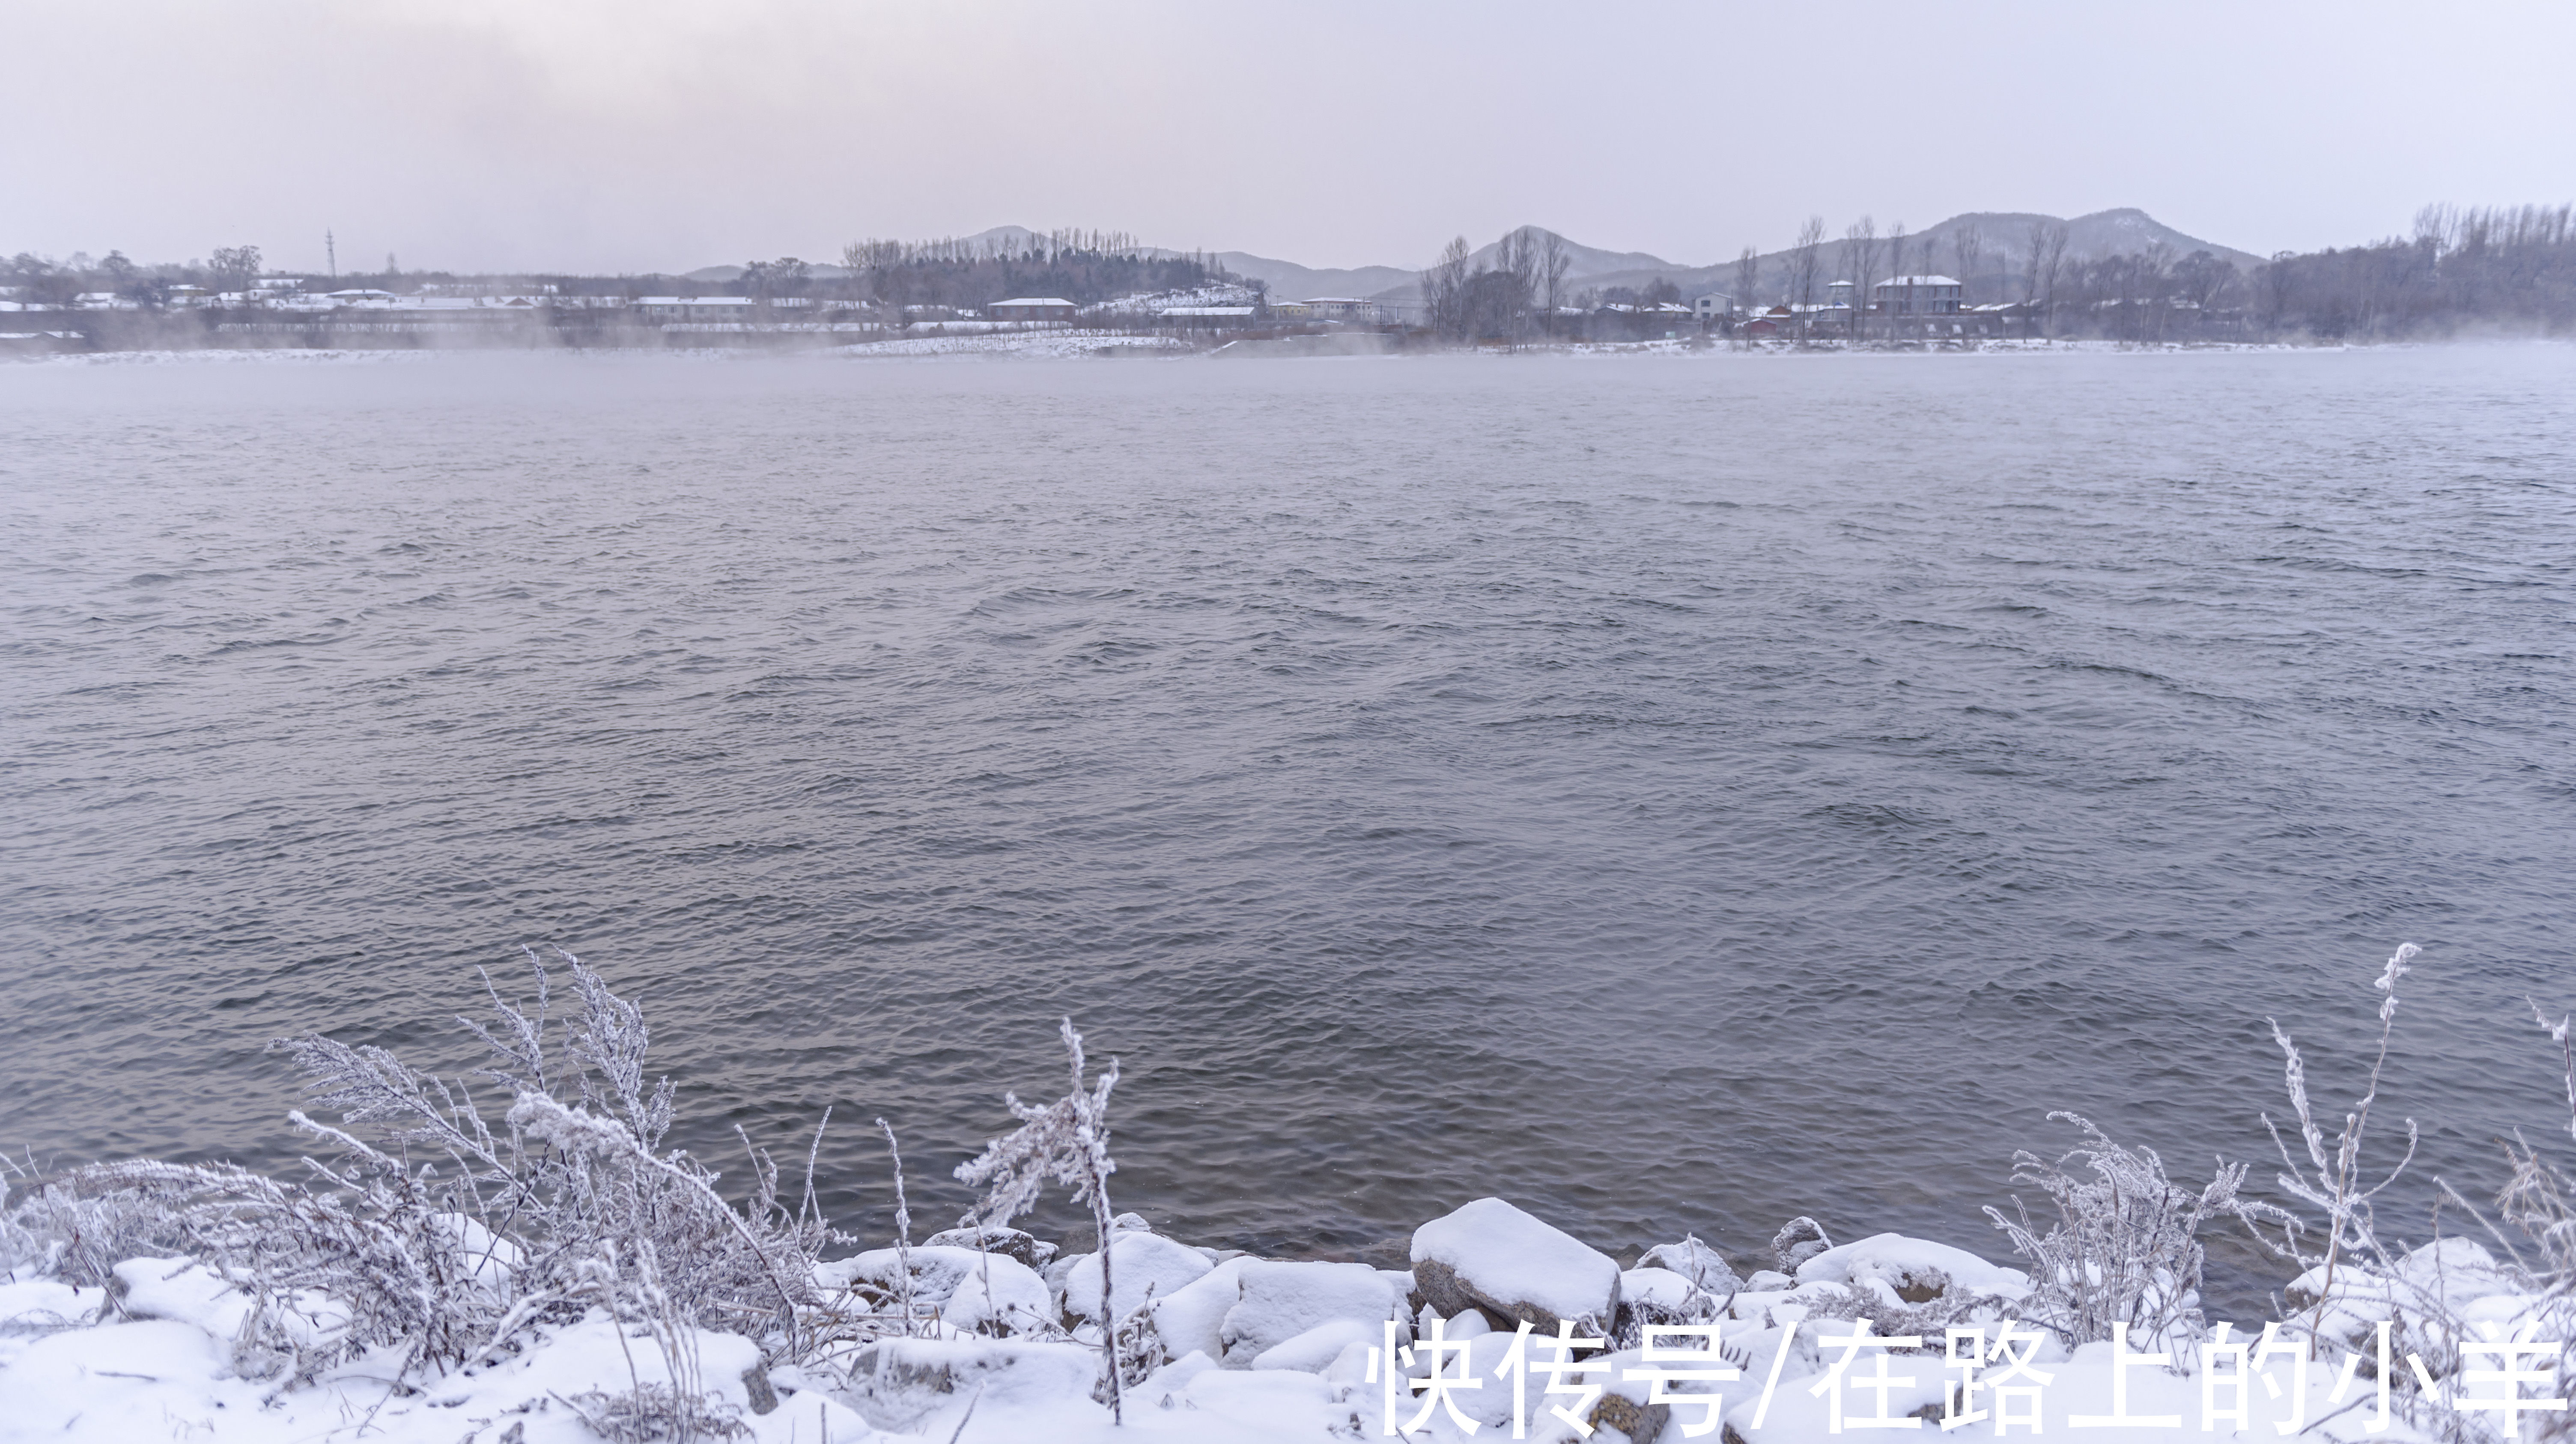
{"x":1915,"y":296}
{"x":1032,"y":308}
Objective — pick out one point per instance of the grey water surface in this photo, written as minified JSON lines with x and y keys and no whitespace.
{"x":1673,"y":794}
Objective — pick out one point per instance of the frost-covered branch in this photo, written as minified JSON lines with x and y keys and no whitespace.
{"x":1067,"y":1141}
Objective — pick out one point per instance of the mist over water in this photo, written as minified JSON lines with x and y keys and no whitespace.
{"x":1673,"y":795}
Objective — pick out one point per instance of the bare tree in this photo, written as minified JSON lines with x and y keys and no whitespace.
{"x":1802,"y":265}
{"x":2153,"y":282}
{"x":2205,"y":282}
{"x":235,"y":267}
{"x":2049,"y":244}
{"x":1444,"y":290}
{"x":1553,"y":263}
{"x":1748,"y":278}
{"x":1860,"y":250}
{"x":1900,"y":263}
{"x":1506,"y":299}
{"x":1968,"y":245}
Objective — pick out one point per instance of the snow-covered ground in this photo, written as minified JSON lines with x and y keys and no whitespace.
{"x":1148,"y":304}
{"x":1038,"y":345}
{"x":1257,"y":1351}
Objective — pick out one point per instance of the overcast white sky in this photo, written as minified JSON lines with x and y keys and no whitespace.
{"x":627,"y":135}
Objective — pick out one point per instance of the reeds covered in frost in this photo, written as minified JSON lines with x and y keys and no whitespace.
{"x":2125,"y":1247}
{"x":428,"y":1226}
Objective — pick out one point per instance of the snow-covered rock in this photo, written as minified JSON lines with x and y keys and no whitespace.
{"x":1140,"y":1263}
{"x":2452,"y":1274}
{"x":1315,"y":1350}
{"x":1695,"y":1261}
{"x":1799,"y":1240}
{"x":1900,"y":1270}
{"x":971,"y":1291}
{"x":910,"y":1384}
{"x":1017,"y":1243}
{"x":1620,"y":1415}
{"x":1492,"y":1256}
{"x":1283,"y":1300}
{"x":1657,"y":1288}
{"x":1192,"y":1318}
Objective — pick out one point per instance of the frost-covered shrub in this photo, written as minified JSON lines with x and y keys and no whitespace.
{"x":78,"y":1228}
{"x":1067,"y":1141}
{"x":2435,"y":1296}
{"x":2125,"y":1248}
{"x":426,"y":1227}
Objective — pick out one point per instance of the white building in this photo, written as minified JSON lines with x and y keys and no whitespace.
{"x":1032,"y":308}
{"x":1916,"y":296}
{"x":1715,"y":306}
{"x":1343,"y":308}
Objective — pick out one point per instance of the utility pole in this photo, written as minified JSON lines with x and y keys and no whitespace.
{"x":331,"y":253}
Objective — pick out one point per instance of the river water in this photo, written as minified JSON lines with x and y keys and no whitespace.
{"x":1673,"y":794}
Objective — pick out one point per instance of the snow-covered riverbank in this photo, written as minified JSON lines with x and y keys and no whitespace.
{"x":1251,"y":1349}
{"x":554,"y":1277}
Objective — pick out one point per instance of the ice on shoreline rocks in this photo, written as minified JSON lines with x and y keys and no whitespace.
{"x":1512,"y":1267}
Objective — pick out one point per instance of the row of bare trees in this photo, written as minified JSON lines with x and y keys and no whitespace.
{"x":1079,"y":266}
{"x":2496,"y":268}
{"x":1518,"y":295}
{"x":1864,"y":252}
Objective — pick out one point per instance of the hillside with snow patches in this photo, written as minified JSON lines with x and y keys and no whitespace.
{"x":2001,"y":235}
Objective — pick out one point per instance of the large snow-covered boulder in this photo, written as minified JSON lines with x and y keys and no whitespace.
{"x":1283,"y":1300}
{"x":1493,"y":1257}
{"x":1141,"y":1265}
{"x":1900,"y":1270}
{"x":1191,"y":1318}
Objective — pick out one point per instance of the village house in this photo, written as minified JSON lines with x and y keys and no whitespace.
{"x":1032,"y":308}
{"x":1198,"y":318}
{"x":694,"y":308}
{"x":1916,"y":296}
{"x":1343,"y":308}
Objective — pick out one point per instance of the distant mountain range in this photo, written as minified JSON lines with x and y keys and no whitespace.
{"x":2003,"y":237}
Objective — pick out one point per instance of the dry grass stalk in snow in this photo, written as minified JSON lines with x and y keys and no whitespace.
{"x":1068,"y":1141}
